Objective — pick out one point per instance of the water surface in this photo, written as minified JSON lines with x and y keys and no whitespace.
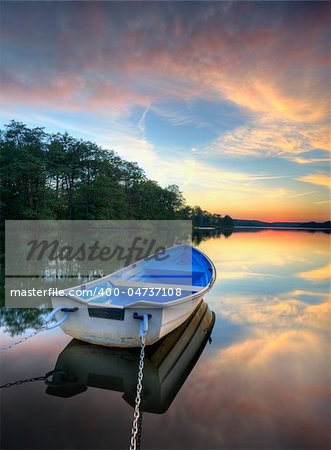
{"x":263,"y":382}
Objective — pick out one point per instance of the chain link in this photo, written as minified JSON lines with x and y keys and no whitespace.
{"x":18,"y":382}
{"x":39,"y":330}
{"x":140,"y":424}
{"x":137,"y":415}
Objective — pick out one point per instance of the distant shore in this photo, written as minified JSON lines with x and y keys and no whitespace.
{"x":240,"y":223}
{"x":237,"y":228}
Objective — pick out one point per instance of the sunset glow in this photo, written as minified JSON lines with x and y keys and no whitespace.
{"x":229,"y":100}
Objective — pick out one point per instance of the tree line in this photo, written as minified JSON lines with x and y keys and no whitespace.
{"x":56,"y":176}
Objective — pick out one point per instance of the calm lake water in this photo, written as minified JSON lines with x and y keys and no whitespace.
{"x":262,"y":383}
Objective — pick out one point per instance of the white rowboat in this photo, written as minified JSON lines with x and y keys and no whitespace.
{"x":162,"y":291}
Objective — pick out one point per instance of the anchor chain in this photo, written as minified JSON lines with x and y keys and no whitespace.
{"x":140,"y":424}
{"x":39,"y":330}
{"x":41,"y":378}
{"x":18,"y":382}
{"x":137,"y":416}
{"x":45,"y":326}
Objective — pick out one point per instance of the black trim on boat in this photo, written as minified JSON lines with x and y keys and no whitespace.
{"x":107,"y":313}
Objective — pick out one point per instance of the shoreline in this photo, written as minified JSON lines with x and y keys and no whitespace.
{"x":283,"y":228}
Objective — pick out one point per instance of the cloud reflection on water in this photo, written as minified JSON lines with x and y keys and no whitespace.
{"x":267,"y":392}
{"x":271,"y":382}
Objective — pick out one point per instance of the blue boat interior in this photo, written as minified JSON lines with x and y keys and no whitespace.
{"x":183,"y":266}
{"x":189,"y":268}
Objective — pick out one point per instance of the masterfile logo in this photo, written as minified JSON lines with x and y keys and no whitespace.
{"x":54,"y":251}
{"x":59,"y":254}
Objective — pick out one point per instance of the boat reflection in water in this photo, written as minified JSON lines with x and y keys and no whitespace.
{"x":167,"y":365}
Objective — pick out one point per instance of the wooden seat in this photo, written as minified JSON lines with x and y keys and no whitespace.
{"x":140,"y":284}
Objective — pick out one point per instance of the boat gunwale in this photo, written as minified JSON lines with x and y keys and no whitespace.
{"x":139,"y":303}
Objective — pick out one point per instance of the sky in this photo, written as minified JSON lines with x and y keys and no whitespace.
{"x":229,"y":100}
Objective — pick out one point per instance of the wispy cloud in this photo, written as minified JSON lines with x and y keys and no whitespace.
{"x":317,"y":274}
{"x":141,"y":123}
{"x":319,"y":179}
{"x":142,"y":55}
{"x":270,"y":138}
{"x":304,"y":194}
{"x":323,"y":202}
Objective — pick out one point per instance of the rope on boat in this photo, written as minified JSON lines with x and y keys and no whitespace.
{"x":137,"y":415}
{"x":45,"y":326}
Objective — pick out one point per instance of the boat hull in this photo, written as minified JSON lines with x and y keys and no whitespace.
{"x":124,"y":332}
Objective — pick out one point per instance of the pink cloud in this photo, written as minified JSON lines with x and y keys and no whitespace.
{"x":219,"y":48}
